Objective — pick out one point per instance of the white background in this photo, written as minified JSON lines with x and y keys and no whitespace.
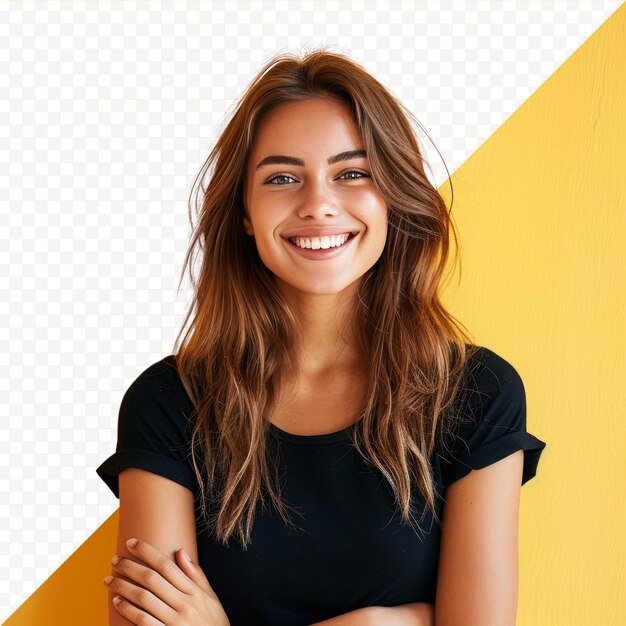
{"x":108,"y":110}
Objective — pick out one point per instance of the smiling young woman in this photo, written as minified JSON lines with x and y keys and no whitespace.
{"x":321,"y":375}
{"x":308,"y":178}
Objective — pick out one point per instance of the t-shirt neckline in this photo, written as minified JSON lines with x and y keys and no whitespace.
{"x":339,"y":435}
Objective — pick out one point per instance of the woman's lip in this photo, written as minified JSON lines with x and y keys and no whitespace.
{"x":335,"y":234}
{"x":321,"y":253}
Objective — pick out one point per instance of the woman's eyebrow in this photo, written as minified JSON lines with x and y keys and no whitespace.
{"x":289,"y":160}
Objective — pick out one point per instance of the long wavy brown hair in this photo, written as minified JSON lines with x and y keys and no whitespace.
{"x":242,"y":335}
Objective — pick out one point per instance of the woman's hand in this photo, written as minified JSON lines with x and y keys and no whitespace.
{"x":163,"y":592}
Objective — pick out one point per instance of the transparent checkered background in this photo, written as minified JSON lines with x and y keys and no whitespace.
{"x":109,"y":110}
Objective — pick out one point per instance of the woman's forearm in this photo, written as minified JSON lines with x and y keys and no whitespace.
{"x":365,"y":616}
{"x":412,"y":614}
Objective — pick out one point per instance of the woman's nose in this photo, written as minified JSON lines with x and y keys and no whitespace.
{"x":318,"y":200}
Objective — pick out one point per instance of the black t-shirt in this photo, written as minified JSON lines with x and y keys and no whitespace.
{"x":350,"y":549}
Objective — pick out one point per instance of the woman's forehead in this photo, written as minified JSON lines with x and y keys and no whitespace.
{"x":319,"y":131}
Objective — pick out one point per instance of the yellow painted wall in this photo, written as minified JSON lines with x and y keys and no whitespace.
{"x":541,"y":210}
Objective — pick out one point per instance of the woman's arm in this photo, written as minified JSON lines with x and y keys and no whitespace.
{"x":157,"y":510}
{"x":477,"y":582}
{"x":358,"y":617}
{"x":478,"y":562}
{"x":413,"y":614}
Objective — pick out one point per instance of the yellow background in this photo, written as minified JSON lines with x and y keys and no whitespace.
{"x":541,"y":212}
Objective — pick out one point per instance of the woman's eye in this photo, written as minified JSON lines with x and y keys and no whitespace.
{"x":361,"y":174}
{"x":272,"y":180}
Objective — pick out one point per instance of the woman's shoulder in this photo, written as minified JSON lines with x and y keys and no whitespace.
{"x":156,"y":400}
{"x":489,"y":385}
{"x":488,"y":371}
{"x":160,"y":382}
{"x":492,"y":420}
{"x":153,"y":428}
{"x":161,"y":373}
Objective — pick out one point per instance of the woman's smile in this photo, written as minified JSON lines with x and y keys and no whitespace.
{"x":320,"y":253}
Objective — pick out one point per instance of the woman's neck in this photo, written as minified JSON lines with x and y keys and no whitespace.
{"x":325,"y":331}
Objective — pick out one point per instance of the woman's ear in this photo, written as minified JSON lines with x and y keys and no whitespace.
{"x":247,"y":225}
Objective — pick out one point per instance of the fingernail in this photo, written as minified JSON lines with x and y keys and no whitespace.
{"x":115,"y":560}
{"x":185,"y":556}
{"x":107,"y":580}
{"x":131,"y":543}
{"x":117,"y":600}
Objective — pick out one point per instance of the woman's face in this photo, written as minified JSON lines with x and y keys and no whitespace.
{"x":312,"y":198}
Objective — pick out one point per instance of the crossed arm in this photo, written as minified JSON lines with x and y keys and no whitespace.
{"x":158,"y":511}
{"x":413,"y":614}
{"x":477,"y":582}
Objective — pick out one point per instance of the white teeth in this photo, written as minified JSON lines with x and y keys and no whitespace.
{"x":315,"y":243}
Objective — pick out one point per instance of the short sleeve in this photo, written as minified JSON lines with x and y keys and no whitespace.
{"x":153,"y":430}
{"x":494,"y":422}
